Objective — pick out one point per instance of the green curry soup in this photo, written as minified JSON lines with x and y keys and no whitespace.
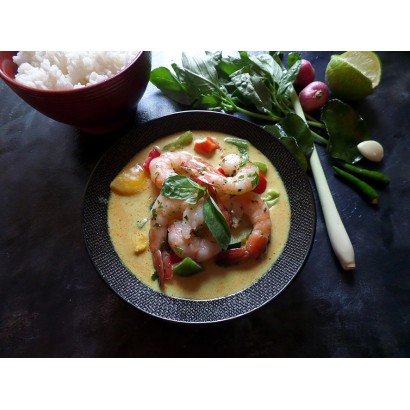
{"x":128,"y":222}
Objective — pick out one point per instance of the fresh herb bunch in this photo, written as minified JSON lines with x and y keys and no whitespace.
{"x":240,"y":82}
{"x":262,"y":87}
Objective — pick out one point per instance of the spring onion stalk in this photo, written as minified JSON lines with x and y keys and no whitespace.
{"x":338,"y":236}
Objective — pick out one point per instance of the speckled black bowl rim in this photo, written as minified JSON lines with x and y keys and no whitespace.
{"x":129,"y":288}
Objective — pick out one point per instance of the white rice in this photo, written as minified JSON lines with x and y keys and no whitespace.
{"x":60,"y":70}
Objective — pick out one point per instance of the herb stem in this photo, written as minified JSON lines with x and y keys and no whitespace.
{"x":316,"y":124}
{"x":321,"y":139}
{"x":338,"y":236}
{"x":271,"y":117}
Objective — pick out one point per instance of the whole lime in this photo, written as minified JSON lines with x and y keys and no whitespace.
{"x":353,"y":75}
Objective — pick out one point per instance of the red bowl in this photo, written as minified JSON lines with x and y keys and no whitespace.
{"x":98,"y":108}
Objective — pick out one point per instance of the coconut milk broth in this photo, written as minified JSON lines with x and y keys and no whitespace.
{"x":125,"y":213}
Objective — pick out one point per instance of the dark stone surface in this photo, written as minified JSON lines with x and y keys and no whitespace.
{"x":54,"y":304}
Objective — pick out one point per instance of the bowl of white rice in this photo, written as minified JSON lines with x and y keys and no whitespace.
{"x":97,"y":92}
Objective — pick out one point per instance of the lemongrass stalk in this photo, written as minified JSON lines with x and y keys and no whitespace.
{"x":338,"y":236}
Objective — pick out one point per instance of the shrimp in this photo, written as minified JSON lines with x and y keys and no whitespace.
{"x":200,"y":248}
{"x":166,"y":165}
{"x":251,"y":205}
{"x":244,"y":179}
{"x":163,"y":211}
{"x":181,"y":226}
{"x":190,"y":236}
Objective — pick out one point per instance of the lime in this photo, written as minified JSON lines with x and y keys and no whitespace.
{"x":353,"y":75}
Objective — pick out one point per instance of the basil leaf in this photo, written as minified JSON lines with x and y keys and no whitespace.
{"x":182,"y":187}
{"x":268,"y":65}
{"x":216,"y":223}
{"x":170,"y":85}
{"x":231,"y":63}
{"x":293,"y":58}
{"x":346,"y":129}
{"x":253,"y":88}
{"x":201,"y":66}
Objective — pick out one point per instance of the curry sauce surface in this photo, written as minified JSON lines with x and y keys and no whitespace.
{"x":127,"y":213}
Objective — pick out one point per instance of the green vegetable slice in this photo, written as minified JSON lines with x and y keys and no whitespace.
{"x":262,"y":167}
{"x":187,"y":267}
{"x":239,"y":237}
{"x":182,"y":141}
{"x":271,"y":197}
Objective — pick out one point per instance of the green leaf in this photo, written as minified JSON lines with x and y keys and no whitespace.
{"x":182,"y":187}
{"x":269,"y":66}
{"x":163,"y":79}
{"x":294,"y":148}
{"x":292,"y":125}
{"x":295,"y":134}
{"x":216,"y":223}
{"x":253,"y":88}
{"x":346,"y":128}
{"x":231,"y":63}
{"x":200,"y":75}
{"x":293,"y":71}
{"x":200,"y":65}
{"x":293,"y":58}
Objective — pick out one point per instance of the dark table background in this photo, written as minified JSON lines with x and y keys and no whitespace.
{"x":54,"y":304}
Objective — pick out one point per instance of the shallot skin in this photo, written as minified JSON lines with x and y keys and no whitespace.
{"x":314,"y":96}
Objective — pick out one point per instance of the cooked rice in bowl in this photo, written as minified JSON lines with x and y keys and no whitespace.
{"x":60,"y":70}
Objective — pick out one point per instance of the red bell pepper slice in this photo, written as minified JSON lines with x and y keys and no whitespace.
{"x":261,"y":187}
{"x":154,"y":153}
{"x":175,"y":258}
{"x":206,"y":146}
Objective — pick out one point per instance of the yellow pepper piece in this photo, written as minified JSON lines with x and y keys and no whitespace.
{"x":131,"y":180}
{"x":140,"y":243}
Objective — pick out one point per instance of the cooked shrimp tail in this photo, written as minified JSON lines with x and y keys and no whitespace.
{"x":167,"y":264}
{"x":258,"y":213}
{"x":162,"y":265}
{"x":232,"y":256}
{"x":254,"y":248}
{"x":158,"y":266}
